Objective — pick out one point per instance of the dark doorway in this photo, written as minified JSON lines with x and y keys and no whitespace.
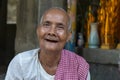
{"x":7,"y":37}
{"x":3,"y":16}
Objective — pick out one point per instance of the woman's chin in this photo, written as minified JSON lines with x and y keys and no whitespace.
{"x":52,"y":49}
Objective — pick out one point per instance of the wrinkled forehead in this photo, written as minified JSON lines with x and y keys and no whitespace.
{"x":56,"y":13}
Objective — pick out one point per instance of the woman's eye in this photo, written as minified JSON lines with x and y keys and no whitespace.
{"x":60,"y":27}
{"x":46,"y":24}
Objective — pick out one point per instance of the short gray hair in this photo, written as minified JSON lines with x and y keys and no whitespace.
{"x":58,"y":8}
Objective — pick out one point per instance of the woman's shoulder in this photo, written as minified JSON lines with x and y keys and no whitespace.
{"x":73,"y":56}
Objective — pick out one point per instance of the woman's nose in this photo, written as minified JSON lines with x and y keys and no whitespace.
{"x":52,"y":29}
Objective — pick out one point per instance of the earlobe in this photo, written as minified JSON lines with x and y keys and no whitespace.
{"x":37,"y":31}
{"x":69,"y":36}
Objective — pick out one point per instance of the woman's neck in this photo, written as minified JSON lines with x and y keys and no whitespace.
{"x":49,"y":61}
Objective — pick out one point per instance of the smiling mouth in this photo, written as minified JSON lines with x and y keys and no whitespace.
{"x":52,"y":41}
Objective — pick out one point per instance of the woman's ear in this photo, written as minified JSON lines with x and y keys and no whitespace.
{"x":69,"y":36}
{"x":37,"y":30}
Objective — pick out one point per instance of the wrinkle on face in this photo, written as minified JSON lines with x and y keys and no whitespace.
{"x":53,"y":31}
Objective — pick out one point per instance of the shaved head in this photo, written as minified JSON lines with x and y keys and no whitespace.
{"x":57,"y":11}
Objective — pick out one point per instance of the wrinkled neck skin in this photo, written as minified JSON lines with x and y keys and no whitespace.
{"x":49,"y":58}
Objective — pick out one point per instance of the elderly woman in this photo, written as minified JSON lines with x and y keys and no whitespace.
{"x":50,"y":61}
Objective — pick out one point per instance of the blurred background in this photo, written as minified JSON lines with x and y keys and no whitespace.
{"x":98,"y":44}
